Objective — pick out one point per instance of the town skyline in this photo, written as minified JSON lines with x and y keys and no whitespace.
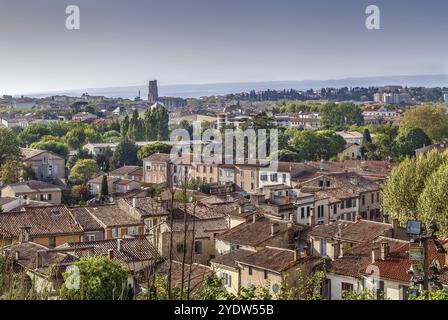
{"x":207,"y":42}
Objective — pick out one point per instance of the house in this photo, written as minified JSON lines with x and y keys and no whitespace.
{"x":116,"y":221}
{"x":350,"y":269}
{"x":134,"y":173}
{"x":9,"y":203}
{"x":286,"y":173}
{"x":260,"y":232}
{"x":115,"y":185}
{"x":84,"y":117}
{"x":226,"y":268}
{"x":393,"y":265}
{"x":42,"y":266}
{"x":247,"y":177}
{"x":34,"y":190}
{"x":330,"y":239}
{"x":440,"y":147}
{"x":351,"y":137}
{"x":157,"y":169}
{"x":343,"y":196}
{"x":48,"y":226}
{"x":274,"y":266}
{"x":46,"y":164}
{"x":352,"y":151}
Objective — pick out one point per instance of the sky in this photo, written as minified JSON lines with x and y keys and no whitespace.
{"x":128,"y":42}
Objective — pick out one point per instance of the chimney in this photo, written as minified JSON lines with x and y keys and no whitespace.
{"x":134,"y":202}
{"x":110,"y":254}
{"x":275,"y":228}
{"x":306,"y":252}
{"x":241,"y":209}
{"x":27,"y":201}
{"x":17,"y":255}
{"x":375,"y":253}
{"x":24,"y":235}
{"x":384,"y":250}
{"x":39,"y":259}
{"x":254,"y":218}
{"x":297,"y":254}
{"x":119,"y":244}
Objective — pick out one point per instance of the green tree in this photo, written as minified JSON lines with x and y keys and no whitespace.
{"x":53,"y":146}
{"x":124,"y":126}
{"x":432,"y":120}
{"x":125,"y":154}
{"x":10,"y":172}
{"x":104,"y":187}
{"x":99,"y":279}
{"x":153,"y":148}
{"x":84,"y":170}
{"x":402,"y":191}
{"x":433,"y":202}
{"x":75,"y":138}
{"x":9,"y":146}
{"x":408,"y":141}
{"x":341,"y":115}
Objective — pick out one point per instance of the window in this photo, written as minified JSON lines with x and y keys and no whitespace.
{"x":308,"y":212}
{"x":49,"y":197}
{"x":335,"y":209}
{"x":266,"y":274}
{"x":42,"y":197}
{"x":302,"y":213}
{"x":373,"y":198}
{"x":132,"y":231}
{"x":91,"y":237}
{"x":211,"y":169}
{"x":252,"y":186}
{"x":320,"y":211}
{"x":284,"y":178}
{"x":363,"y":199}
{"x":274,"y":177}
{"x":250,"y":271}
{"x":180,"y":248}
{"x":116,"y":233}
{"x":346,"y":286}
{"x":198,"y":247}
{"x":227,"y":279}
{"x":323,"y":247}
{"x":321,"y":183}
{"x":328,"y":183}
{"x":404,"y":292}
{"x":52,"y":242}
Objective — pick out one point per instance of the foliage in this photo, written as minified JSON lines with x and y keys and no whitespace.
{"x":10,"y":172}
{"x":9,"y":146}
{"x":315,"y":145}
{"x":406,"y":184}
{"x":366,"y":294}
{"x":408,"y":141}
{"x":432,"y":120}
{"x":84,"y":170}
{"x":104,"y":187}
{"x":433,"y":295}
{"x":81,"y":192}
{"x":100,"y":279}
{"x":153,"y":148}
{"x":53,"y":146}
{"x":307,"y":286}
{"x":339,"y":116}
{"x":433,"y":201}
{"x":125,"y":154}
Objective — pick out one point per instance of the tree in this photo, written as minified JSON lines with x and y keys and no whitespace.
{"x":104,"y":187}
{"x":136,"y":131}
{"x":432,"y":120}
{"x":124,"y":126}
{"x":9,"y":146}
{"x":153,"y":148}
{"x":125,"y":154}
{"x":10,"y":172}
{"x":338,"y":116}
{"x":53,"y":146}
{"x":99,"y":279}
{"x":84,"y":170}
{"x":81,"y":192}
{"x":433,"y":202}
{"x":408,"y":141}
{"x":366,"y":294}
{"x":407,"y":182}
{"x":75,"y":138}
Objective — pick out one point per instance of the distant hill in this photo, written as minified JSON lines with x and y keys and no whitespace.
{"x":199,"y":90}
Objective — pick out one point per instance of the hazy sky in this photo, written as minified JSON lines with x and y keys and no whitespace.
{"x":128,"y":42}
